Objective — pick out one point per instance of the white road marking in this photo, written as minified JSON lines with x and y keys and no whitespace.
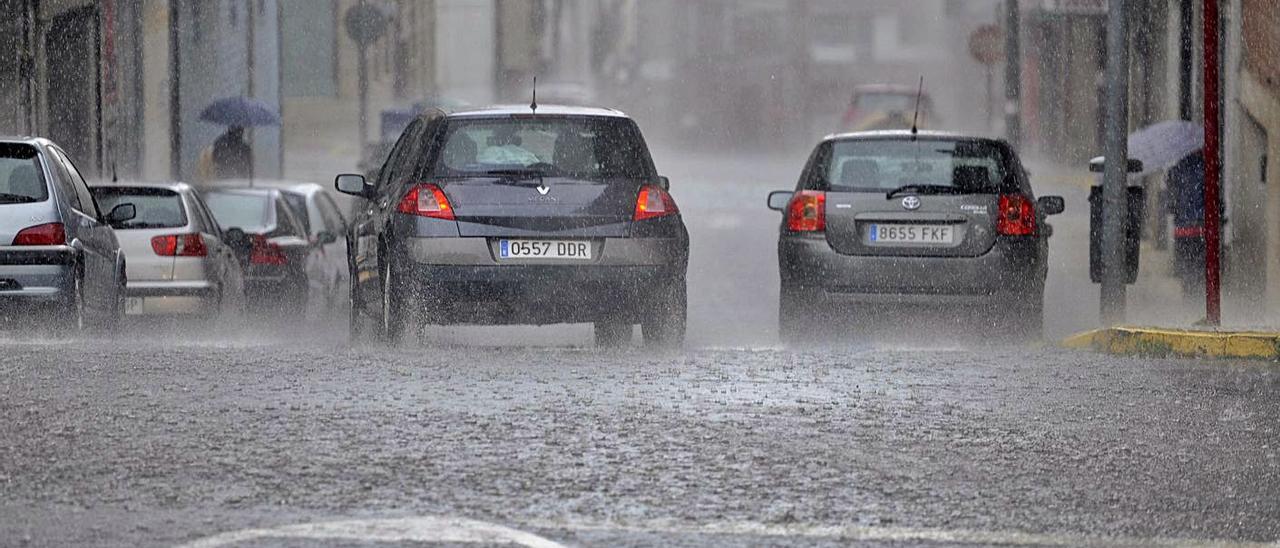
{"x":889,"y":534}
{"x":459,"y":530}
{"x":417,"y":529}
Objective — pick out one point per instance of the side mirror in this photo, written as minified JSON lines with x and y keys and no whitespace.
{"x":1099,"y":164}
{"x":355,"y":185}
{"x":326,"y":237}
{"x":1051,"y":205}
{"x":664,"y":183}
{"x":779,"y":199}
{"x":237,"y":240}
{"x":121,"y":214}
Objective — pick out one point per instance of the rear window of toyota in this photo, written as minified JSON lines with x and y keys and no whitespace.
{"x":964,"y":166}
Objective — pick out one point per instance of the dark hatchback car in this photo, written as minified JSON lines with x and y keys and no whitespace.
{"x":508,"y":215}
{"x":271,"y":243}
{"x":886,"y":222}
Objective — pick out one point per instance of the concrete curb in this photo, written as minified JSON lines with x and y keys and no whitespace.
{"x":1156,"y":342}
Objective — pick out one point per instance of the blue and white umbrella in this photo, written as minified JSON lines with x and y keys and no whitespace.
{"x":240,"y":111}
{"x":1164,"y":144}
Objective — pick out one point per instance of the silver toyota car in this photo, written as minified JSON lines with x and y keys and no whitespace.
{"x":886,"y":222}
{"x":58,"y":254}
{"x":179,"y":261}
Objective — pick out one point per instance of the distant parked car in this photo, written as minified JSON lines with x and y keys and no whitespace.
{"x":58,"y":254}
{"x":886,"y":107}
{"x":275,"y":251}
{"x":179,"y":259}
{"x":326,"y":228}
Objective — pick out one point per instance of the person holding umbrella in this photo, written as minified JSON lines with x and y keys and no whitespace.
{"x":230,"y":156}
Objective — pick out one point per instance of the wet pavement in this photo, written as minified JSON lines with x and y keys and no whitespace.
{"x":527,"y":436}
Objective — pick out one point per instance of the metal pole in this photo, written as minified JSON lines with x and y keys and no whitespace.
{"x":1212,"y":167}
{"x":1115,"y":206}
{"x":362,"y":84}
{"x":1012,"y":75}
{"x":1186,"y":43}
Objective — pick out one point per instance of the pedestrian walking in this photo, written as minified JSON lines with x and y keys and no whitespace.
{"x":1185,"y":181}
{"x":228,"y":157}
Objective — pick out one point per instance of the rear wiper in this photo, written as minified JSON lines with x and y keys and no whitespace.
{"x":517,"y":176}
{"x":17,"y":198}
{"x":921,"y":189}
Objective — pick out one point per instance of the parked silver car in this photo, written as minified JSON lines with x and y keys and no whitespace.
{"x":179,"y":260}
{"x":58,"y":254}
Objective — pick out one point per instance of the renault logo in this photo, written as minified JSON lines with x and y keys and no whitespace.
{"x":911,"y":203}
{"x":543,"y":189}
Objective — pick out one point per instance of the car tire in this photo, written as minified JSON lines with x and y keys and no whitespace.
{"x":395,"y":321}
{"x":612,"y":334}
{"x":355,"y":318}
{"x":69,"y":316}
{"x":664,"y":324}
{"x":796,"y":315}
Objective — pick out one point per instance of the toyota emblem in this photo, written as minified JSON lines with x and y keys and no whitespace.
{"x":911,"y":203}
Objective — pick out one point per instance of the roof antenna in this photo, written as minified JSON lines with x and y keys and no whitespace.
{"x":114,"y":177}
{"x":915,"y":129}
{"x":534,"y":105}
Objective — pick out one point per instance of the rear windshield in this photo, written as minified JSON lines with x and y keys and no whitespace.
{"x":247,"y":212}
{"x":156,"y":207}
{"x":958,"y":166}
{"x":21,"y":179}
{"x":583,"y":147}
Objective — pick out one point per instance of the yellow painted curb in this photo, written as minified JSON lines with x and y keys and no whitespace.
{"x":1140,"y":341}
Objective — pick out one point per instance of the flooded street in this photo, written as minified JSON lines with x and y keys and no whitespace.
{"x":928,"y":439}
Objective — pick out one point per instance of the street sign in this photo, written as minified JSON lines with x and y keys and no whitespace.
{"x":365,"y":24}
{"x":986,"y":44}
{"x":1076,"y":7}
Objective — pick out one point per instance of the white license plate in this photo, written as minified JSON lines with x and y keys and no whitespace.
{"x":133,"y":305}
{"x":545,"y":249}
{"x":911,"y":234}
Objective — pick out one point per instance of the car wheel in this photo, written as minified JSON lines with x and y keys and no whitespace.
{"x":796,"y":315}
{"x":71,"y":313}
{"x":355,"y":312}
{"x":612,"y":334}
{"x":664,"y":325}
{"x":395,"y":322}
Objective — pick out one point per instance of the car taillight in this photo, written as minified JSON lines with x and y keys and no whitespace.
{"x":179,"y":245}
{"x":807,"y":211}
{"x":46,"y":234}
{"x":1017,"y":216}
{"x":426,"y":200}
{"x":266,"y":252}
{"x":653,"y":202}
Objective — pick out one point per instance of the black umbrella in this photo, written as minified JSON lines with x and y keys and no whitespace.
{"x":240,"y":111}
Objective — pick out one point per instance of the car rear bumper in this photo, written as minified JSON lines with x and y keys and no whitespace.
{"x":1011,"y":268}
{"x":36,"y":273}
{"x":461,"y":280}
{"x":152,"y":298}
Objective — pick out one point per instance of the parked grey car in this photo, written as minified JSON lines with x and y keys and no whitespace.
{"x":58,"y":254}
{"x":881,"y":222}
{"x":508,"y":216}
{"x":275,"y":250}
{"x":326,"y":228}
{"x":179,"y":260}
